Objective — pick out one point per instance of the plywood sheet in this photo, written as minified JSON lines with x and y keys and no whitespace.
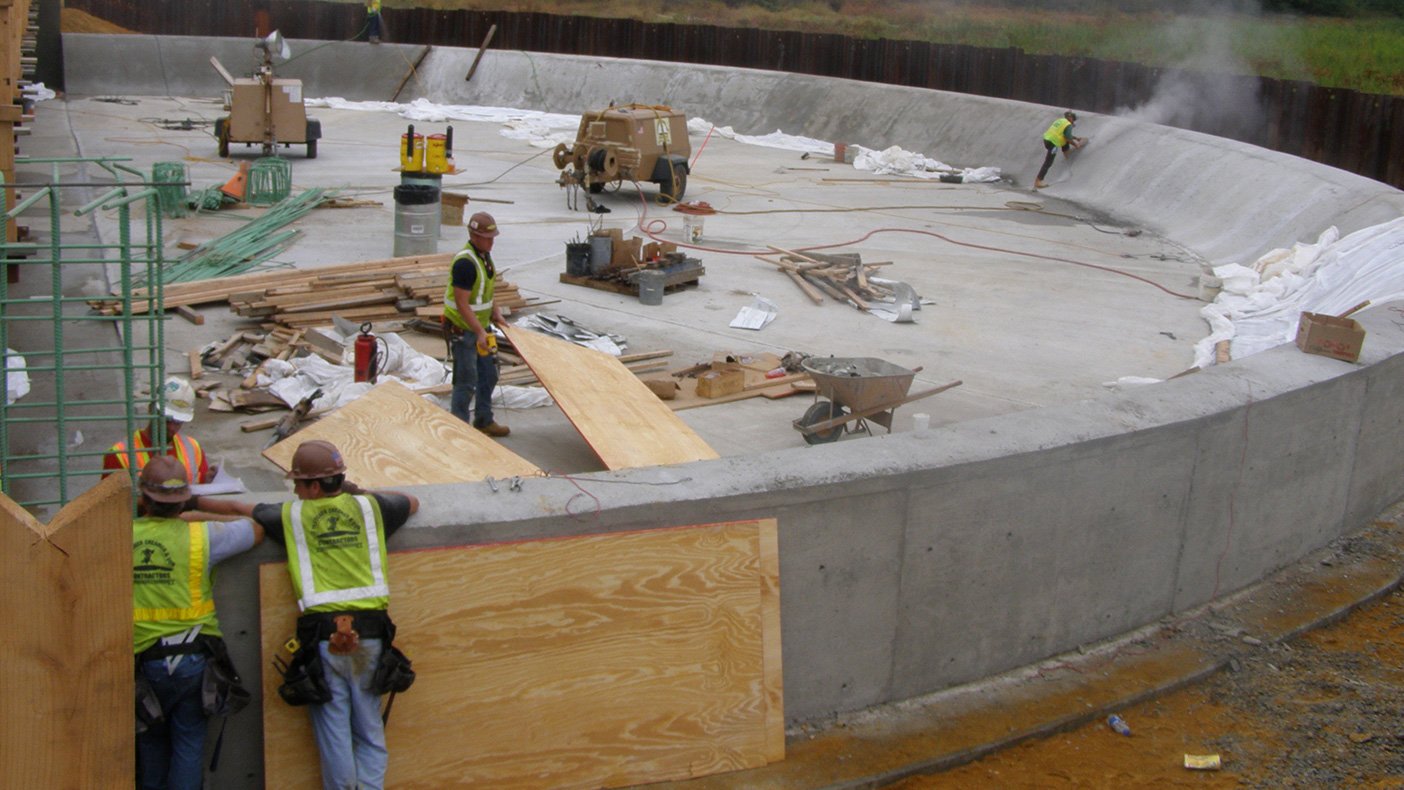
{"x":624,"y":423}
{"x":67,"y":650}
{"x":597,"y":661}
{"x":393,"y":437}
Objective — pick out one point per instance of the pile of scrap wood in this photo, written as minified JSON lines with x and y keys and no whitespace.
{"x":393,"y":288}
{"x":844,"y":277}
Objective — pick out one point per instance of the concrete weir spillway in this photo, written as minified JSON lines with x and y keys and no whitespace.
{"x":920,"y":560}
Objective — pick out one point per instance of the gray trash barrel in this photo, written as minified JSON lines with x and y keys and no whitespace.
{"x":601,"y":249}
{"x":417,"y":212}
{"x":651,"y":287}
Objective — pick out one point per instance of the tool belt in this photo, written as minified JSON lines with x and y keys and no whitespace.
{"x":221,"y":689}
{"x":303,"y":680}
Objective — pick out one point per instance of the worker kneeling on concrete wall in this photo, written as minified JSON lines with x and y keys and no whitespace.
{"x":335,"y":537}
{"x":183,"y":670}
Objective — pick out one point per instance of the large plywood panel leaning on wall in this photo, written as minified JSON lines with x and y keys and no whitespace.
{"x":392,"y":436}
{"x":583,"y":662}
{"x":67,"y":651}
{"x":623,"y":421}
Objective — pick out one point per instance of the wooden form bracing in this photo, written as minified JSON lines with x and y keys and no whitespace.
{"x":392,"y":436}
{"x":622,"y":420}
{"x":582,"y":662}
{"x":67,"y":651}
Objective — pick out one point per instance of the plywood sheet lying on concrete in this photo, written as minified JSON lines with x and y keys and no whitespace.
{"x":596,"y":661}
{"x":621,"y":419}
{"x":393,"y":437}
{"x":67,"y":651}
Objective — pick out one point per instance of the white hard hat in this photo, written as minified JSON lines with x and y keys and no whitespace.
{"x":180,"y":399}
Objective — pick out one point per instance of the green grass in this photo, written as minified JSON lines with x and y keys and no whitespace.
{"x":1362,"y":53}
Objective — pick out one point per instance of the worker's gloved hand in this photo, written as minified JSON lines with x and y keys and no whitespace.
{"x":348,"y":487}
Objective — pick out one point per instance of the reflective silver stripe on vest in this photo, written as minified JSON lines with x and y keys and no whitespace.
{"x":478,"y":307}
{"x":310,"y":596}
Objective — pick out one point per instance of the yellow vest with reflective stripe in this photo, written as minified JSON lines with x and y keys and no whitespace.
{"x":1056,"y":133}
{"x":171,"y":579}
{"x":336,"y":553}
{"x":480,"y":299}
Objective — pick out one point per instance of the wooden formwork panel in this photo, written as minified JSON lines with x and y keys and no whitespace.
{"x":622,"y":420}
{"x":584,"y":662}
{"x":392,"y":436}
{"x":67,"y":650}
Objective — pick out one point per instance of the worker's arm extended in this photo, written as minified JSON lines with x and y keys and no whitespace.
{"x":351,"y":488}
{"x":221,"y":507}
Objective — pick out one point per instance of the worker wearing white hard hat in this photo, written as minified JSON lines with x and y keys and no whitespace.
{"x":178,"y":396}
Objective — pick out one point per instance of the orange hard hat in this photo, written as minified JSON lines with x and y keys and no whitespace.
{"x":482,"y":224}
{"x":316,"y":459}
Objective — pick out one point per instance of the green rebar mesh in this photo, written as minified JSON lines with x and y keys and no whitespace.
{"x":270,"y":180}
{"x":170,"y":178}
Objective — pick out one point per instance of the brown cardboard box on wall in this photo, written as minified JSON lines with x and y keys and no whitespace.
{"x":1330,"y":336}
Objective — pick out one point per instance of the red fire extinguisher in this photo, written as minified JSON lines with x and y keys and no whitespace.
{"x":367,"y":354}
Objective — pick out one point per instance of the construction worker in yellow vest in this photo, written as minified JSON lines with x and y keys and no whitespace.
{"x":1058,"y":137}
{"x":469,"y":311}
{"x":177,"y":632}
{"x":335,"y":536}
{"x":179,"y":410}
{"x":373,"y":21}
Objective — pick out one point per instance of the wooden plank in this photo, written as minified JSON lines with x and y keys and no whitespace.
{"x":623,"y":422}
{"x":392,"y":436}
{"x":197,"y":369}
{"x":809,"y":290}
{"x":582,"y":662}
{"x":67,"y":650}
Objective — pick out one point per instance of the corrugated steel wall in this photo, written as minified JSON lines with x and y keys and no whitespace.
{"x":1363,"y":133}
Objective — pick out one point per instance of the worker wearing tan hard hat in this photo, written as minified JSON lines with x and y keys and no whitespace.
{"x":177,"y":638}
{"x":469,"y":314}
{"x":178,"y":396}
{"x":335,"y":536}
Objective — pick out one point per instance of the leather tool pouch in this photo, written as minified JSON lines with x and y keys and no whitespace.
{"x":394,"y":673}
{"x":148,"y":706}
{"x":221,"y":690}
{"x":303,"y":682}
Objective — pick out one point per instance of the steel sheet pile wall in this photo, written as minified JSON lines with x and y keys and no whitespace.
{"x":1359,"y":132}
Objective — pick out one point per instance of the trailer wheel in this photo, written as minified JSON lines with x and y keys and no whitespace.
{"x":311,"y":149}
{"x":818,"y":413}
{"x":672,"y":189}
{"x":224,"y":142}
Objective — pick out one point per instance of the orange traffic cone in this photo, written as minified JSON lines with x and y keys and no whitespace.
{"x":237,"y":186}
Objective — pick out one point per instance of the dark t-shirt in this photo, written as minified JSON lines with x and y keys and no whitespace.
{"x":465,"y":273}
{"x":394,"y":512}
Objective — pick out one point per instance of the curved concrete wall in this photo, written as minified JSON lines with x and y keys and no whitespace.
{"x":916,"y":561}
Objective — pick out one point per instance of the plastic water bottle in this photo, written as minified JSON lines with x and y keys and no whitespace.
{"x":1118,"y":725}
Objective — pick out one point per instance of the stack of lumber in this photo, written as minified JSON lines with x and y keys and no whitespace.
{"x":844,"y":277}
{"x":381,"y":290}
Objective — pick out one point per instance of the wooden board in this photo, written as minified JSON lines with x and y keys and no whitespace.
{"x":623,"y":422}
{"x":67,"y":650}
{"x":393,"y":437}
{"x":586,"y":662}
{"x":757,"y":385}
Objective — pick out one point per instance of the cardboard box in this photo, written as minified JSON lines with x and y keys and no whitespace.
{"x":1330,"y":336}
{"x":451,"y":208}
{"x":716,"y":383}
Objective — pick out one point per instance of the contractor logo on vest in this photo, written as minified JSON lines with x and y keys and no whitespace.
{"x":147,"y":568}
{"x":333,"y":529}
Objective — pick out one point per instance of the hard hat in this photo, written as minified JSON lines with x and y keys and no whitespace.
{"x":1070,"y":115}
{"x":180,"y":399}
{"x":164,"y":480}
{"x":314,"y":460}
{"x":482,"y":224}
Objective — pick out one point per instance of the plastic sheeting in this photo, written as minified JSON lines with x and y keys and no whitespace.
{"x":1259,"y":305}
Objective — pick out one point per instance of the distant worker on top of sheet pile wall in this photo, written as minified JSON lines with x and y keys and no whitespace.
{"x":1058,"y":136}
{"x":177,"y":636}
{"x":468,"y":311}
{"x":180,"y":409}
{"x":335,"y":537}
{"x":373,"y":21}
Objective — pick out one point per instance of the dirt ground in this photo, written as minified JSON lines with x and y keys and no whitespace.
{"x":1323,"y":711}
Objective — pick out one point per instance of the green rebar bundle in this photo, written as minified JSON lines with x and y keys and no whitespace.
{"x":253,"y":244}
{"x":171,"y":179}
{"x":270,"y":180}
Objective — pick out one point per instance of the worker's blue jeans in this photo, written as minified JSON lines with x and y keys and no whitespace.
{"x":172,"y":754}
{"x":474,"y":378}
{"x":349,"y":733}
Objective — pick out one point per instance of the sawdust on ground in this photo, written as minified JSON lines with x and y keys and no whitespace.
{"x":1323,"y":711}
{"x":74,"y":21}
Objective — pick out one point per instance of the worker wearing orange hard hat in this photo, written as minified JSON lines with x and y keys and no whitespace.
{"x":469,"y":312}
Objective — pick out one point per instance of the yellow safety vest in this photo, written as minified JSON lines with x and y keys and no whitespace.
{"x":336,"y":553}
{"x":1056,"y":133}
{"x":187,"y":451}
{"x":480,"y":299}
{"x":171,"y":588}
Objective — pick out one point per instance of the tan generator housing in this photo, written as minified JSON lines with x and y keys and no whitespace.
{"x":628,"y":143}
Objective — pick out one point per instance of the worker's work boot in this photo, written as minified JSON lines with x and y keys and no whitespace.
{"x":1038,"y":183}
{"x":493,"y":429}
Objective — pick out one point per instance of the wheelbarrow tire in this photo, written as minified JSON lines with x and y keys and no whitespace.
{"x":820,"y":412}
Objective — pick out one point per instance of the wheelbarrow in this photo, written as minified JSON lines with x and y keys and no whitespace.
{"x":858,"y":389}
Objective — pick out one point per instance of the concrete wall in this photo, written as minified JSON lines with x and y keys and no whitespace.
{"x":915,"y":561}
